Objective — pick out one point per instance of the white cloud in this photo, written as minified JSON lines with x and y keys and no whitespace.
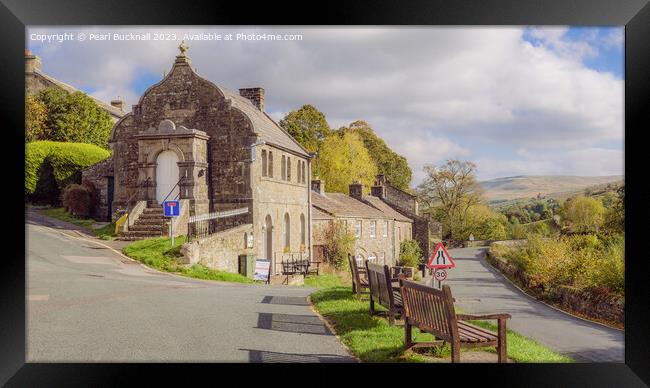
{"x":418,"y":87}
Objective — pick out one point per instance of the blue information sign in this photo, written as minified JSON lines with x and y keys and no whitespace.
{"x":171,"y":208}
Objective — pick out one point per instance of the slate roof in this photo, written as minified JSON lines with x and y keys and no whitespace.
{"x":317,"y":214}
{"x":342,"y":205}
{"x":267,"y":129}
{"x":113,"y":111}
{"x":386,"y":208}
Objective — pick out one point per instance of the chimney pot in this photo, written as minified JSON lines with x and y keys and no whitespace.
{"x":32,"y":62}
{"x":255,"y":95}
{"x":119,"y":104}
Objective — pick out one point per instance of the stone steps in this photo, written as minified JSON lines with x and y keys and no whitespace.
{"x":150,"y":224}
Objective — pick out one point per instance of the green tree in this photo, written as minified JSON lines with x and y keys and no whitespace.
{"x":75,"y":117}
{"x":584,"y":214}
{"x":35,"y":117}
{"x":309,"y":127}
{"x":614,"y":221}
{"x":448,"y":192}
{"x":410,"y":254}
{"x":344,"y":159}
{"x":394,"y":166}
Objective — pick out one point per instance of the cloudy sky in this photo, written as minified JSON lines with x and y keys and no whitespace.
{"x":515,"y":100}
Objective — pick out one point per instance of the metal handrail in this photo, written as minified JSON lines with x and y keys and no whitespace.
{"x":172,"y":190}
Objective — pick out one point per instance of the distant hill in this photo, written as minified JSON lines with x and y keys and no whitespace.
{"x":507,"y":189}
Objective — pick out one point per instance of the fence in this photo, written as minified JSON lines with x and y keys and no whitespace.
{"x":203,"y":225}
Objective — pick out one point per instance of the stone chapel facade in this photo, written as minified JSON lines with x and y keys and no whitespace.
{"x":215,"y":150}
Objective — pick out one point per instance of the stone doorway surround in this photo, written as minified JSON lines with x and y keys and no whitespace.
{"x":190,"y":146}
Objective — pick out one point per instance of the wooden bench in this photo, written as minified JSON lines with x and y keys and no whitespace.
{"x":383,"y":290}
{"x":432,"y":311}
{"x":359,"y":278}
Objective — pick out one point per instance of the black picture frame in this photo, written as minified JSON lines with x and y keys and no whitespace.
{"x":634,"y":14}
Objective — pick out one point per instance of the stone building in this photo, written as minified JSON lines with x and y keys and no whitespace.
{"x":214,"y":150}
{"x":36,"y":80}
{"x":407,"y":205}
{"x":378,"y":227}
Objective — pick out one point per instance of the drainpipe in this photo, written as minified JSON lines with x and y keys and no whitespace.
{"x":310,"y":242}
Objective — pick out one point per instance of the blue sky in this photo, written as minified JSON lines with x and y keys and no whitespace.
{"x":515,"y":100}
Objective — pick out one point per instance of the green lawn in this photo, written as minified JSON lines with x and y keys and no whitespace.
{"x":158,"y":253}
{"x":106,"y":232}
{"x":372,"y":339}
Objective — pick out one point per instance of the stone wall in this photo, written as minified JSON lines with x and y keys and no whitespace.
{"x":219,"y":251}
{"x":98,"y":176}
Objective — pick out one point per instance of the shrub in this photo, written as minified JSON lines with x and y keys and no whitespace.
{"x":78,"y":200}
{"x":51,"y":166}
{"x":584,"y":214}
{"x":72,"y":117}
{"x":339,"y":243}
{"x":409,"y":253}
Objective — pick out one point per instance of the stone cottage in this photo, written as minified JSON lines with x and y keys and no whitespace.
{"x":36,"y":80}
{"x":378,"y":227}
{"x":214,"y":150}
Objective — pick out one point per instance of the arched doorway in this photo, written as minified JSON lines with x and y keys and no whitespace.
{"x":167,"y":175}
{"x":268,"y":240}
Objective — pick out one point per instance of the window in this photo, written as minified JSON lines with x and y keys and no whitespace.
{"x":357,"y":229}
{"x":359,"y":260}
{"x":382,"y":258}
{"x":373,"y":229}
{"x":372,"y":258}
{"x":302,"y":230}
{"x":284,"y":168}
{"x":287,"y":231}
{"x":304,"y":167}
{"x":289,"y":169}
{"x":270,"y":164}
{"x":385,"y":233}
{"x":264,"y":163}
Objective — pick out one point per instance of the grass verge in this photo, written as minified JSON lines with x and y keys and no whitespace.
{"x":106,"y":232}
{"x":159,"y":254}
{"x":372,"y":339}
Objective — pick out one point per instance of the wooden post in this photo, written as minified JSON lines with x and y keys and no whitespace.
{"x":501,"y":348}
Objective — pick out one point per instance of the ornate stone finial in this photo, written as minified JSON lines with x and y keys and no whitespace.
{"x":183,"y":47}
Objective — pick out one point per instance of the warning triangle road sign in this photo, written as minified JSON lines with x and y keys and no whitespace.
{"x":440,"y":258}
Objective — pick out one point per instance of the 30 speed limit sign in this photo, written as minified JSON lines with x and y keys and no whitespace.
{"x":440,"y":275}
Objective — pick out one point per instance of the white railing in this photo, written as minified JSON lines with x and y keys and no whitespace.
{"x":215,"y":215}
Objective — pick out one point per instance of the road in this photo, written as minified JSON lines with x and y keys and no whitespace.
{"x":479,"y":288}
{"x":87,"y":303}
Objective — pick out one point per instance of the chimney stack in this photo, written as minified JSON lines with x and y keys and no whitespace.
{"x":119,"y":104}
{"x":318,"y":186}
{"x":379,"y":189}
{"x":32,"y":62}
{"x":356,"y":190}
{"x":255,"y":95}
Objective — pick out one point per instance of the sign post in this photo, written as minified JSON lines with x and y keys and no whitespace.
{"x":439,"y":261}
{"x":171,"y":209}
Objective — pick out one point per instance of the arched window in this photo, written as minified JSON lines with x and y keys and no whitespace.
{"x":304,"y":167}
{"x":303,"y":236}
{"x":264,"y":163}
{"x":288,"y":168}
{"x":284,"y":168}
{"x":298,"y":171}
{"x":270,"y":164}
{"x":372,"y":258}
{"x":287,"y":231}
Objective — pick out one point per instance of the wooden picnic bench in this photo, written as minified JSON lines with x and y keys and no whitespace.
{"x":383,"y":290}
{"x":432,"y":311}
{"x":359,"y":278}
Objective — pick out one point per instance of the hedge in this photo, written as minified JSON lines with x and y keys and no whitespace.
{"x":64,"y":160}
